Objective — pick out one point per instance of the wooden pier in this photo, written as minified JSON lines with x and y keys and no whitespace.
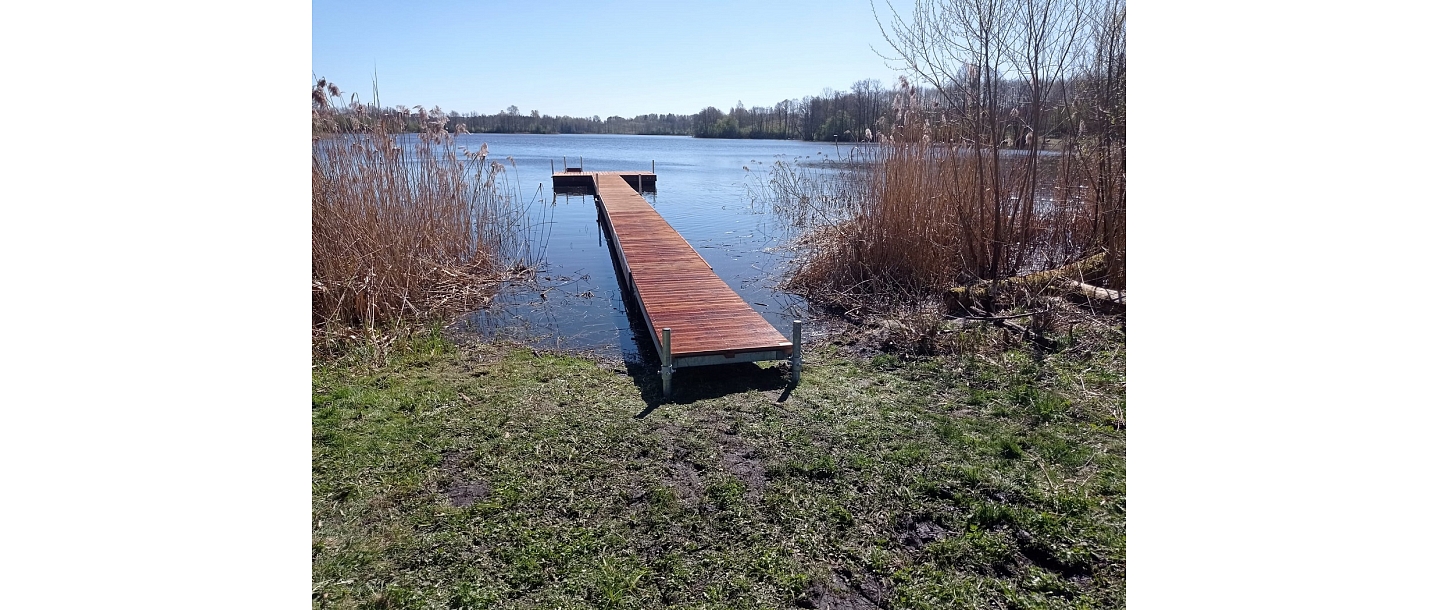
{"x":694,"y":318}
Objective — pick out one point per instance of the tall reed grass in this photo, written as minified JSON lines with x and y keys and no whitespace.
{"x":404,"y":226}
{"x":918,"y":216}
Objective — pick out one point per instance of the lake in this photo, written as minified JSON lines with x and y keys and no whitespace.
{"x":576,"y":301}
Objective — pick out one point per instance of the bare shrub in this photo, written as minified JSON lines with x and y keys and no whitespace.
{"x":1017,"y":165}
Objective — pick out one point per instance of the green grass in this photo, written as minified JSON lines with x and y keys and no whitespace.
{"x":496,"y":476}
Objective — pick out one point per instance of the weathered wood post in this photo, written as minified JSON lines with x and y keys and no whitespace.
{"x":795,"y":352}
{"x":665,"y":369}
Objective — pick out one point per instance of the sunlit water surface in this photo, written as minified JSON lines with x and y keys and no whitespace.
{"x":703,"y":191}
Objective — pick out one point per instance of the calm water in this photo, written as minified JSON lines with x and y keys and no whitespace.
{"x":576,"y":301}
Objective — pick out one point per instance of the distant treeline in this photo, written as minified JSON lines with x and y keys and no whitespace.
{"x":511,"y":120}
{"x":861,"y":113}
{"x":843,"y":115}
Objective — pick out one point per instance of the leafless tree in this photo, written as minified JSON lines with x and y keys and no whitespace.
{"x":996,"y":66}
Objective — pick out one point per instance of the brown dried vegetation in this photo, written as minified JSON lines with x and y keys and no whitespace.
{"x":1009,"y":161}
{"x":403,"y":227}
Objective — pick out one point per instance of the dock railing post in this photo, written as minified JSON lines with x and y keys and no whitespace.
{"x":665,"y":369}
{"x":795,"y":352}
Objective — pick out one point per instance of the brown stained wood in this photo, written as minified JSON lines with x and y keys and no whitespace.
{"x":675,"y":286}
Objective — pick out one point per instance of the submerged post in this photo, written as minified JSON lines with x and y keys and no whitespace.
{"x":795,"y":352}
{"x":665,"y":369}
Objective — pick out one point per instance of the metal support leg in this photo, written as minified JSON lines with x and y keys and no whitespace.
{"x":795,"y":352}
{"x":665,"y":369}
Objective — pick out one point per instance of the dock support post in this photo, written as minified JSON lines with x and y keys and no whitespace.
{"x":552,"y":166}
{"x":795,"y":352}
{"x":665,"y":369}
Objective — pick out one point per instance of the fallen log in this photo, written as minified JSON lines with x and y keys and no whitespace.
{"x":1068,"y":280}
{"x":1105,"y":298}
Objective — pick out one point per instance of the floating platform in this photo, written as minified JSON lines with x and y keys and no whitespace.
{"x":694,"y":317}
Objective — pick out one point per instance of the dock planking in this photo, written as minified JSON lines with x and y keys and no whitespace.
{"x":676,"y":289}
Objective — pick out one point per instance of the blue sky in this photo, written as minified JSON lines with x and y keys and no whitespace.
{"x":597,"y":58}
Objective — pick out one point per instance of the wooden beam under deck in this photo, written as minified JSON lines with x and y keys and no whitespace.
{"x":584,"y":182}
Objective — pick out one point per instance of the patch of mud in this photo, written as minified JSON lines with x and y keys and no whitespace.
{"x":684,"y":476}
{"x":686,"y":480}
{"x":467,"y":494}
{"x":460,"y":490}
{"x":916,"y":533}
{"x":743,"y":461}
{"x":843,"y":593}
{"x":737,"y":457}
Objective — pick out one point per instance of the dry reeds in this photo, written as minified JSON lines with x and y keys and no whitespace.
{"x":926,"y":216}
{"x":402,"y":226}
{"x":964,"y":191}
{"x":931,"y":217}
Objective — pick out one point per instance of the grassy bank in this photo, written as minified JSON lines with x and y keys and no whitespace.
{"x":493,"y":476}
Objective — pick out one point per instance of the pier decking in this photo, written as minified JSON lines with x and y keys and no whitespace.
{"x":694,"y":318}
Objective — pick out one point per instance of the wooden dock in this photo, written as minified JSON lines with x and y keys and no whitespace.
{"x":580,"y":181}
{"x":694,"y":318}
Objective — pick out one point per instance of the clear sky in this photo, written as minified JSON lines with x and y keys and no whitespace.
{"x":597,"y":58}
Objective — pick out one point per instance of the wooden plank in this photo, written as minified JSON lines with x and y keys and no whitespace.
{"x":674,"y":285}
